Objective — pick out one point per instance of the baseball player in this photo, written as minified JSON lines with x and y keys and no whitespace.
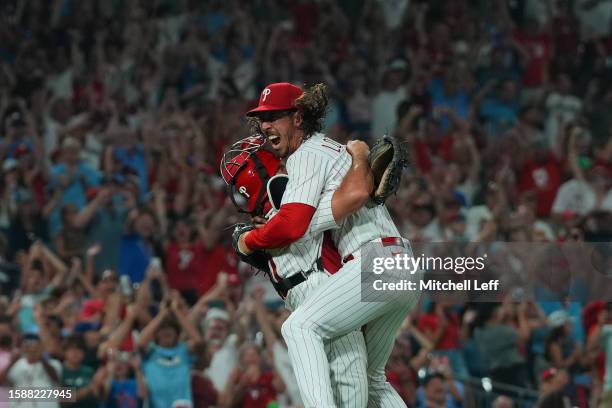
{"x":291,"y":120}
{"x":296,"y":270}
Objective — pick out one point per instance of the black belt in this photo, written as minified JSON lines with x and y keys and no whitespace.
{"x":284,"y":285}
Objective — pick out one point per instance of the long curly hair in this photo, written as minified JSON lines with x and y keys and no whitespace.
{"x":312,"y":104}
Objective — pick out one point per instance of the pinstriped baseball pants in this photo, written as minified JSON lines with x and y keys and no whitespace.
{"x":346,"y":355}
{"x":334,"y":309}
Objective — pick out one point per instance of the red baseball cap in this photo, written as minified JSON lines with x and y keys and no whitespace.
{"x":277,"y":97}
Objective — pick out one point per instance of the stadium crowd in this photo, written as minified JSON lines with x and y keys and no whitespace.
{"x":116,"y":268}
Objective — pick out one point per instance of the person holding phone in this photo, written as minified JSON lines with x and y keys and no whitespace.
{"x":167,"y":359}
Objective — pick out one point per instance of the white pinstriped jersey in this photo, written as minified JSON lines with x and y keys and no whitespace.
{"x":363,"y":226}
{"x":303,"y":254}
{"x":317,"y":168}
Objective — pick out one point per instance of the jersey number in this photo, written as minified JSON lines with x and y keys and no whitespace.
{"x":331,"y":144}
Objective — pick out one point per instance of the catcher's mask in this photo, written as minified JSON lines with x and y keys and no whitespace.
{"x":246,"y":170}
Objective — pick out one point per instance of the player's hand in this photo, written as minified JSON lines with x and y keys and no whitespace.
{"x":259,"y":222}
{"x":358,"y":149}
{"x":238,"y":236}
{"x":242,"y":247}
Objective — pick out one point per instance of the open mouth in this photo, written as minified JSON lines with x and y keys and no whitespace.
{"x":274,"y":140}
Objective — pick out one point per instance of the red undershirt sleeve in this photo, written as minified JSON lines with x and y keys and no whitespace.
{"x":287,"y":226}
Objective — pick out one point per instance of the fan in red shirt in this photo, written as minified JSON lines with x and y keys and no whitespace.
{"x":250,"y":385}
{"x":193,"y":265}
{"x":541,"y":173}
{"x":435,"y":143}
{"x":441,"y":327}
{"x":220,"y":258}
{"x":538,"y":45}
{"x":185,"y":260}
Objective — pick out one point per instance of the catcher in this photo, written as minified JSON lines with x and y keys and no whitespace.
{"x":252,"y":173}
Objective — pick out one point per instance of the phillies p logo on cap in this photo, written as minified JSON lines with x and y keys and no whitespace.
{"x":265,"y":93}
{"x":276,"y":97}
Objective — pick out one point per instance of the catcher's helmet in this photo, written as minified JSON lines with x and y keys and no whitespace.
{"x":246,"y":170}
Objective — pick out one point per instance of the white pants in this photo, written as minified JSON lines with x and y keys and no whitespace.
{"x":335,"y":309}
{"x":347,"y":375}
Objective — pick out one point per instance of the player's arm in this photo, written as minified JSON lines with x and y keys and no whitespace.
{"x":351,"y":195}
{"x":357,"y":185}
{"x":307,"y":174}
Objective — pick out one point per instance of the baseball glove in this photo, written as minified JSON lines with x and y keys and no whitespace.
{"x":257,"y":259}
{"x":387,"y":159}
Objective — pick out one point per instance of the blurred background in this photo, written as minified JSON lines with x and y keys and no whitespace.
{"x":117,"y":276}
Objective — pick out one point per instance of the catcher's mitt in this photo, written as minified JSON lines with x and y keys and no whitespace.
{"x":257,"y":259}
{"x":387,"y":159}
